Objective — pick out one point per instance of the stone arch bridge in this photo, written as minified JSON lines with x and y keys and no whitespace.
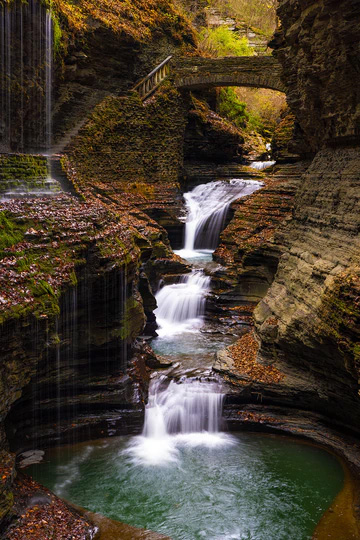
{"x":196,"y":73}
{"x":192,"y":73}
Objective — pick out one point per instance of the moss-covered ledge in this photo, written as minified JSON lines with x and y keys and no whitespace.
{"x":65,"y":262}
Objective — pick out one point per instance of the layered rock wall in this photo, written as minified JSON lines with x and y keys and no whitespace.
{"x":318,"y":47}
{"x":310,"y":317}
{"x":308,"y":323}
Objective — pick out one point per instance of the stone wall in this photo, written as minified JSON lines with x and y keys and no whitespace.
{"x":210,"y":137}
{"x":133,"y":151}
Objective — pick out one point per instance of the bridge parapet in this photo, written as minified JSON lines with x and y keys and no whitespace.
{"x":193,"y":73}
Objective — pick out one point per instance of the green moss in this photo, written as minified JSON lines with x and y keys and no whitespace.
{"x":132,"y":322}
{"x":11,"y":232}
{"x":126,"y":147}
{"x":47,"y":298}
{"x":73,"y":278}
{"x":25,"y":170}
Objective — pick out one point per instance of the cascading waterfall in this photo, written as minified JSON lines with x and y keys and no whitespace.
{"x":48,"y":80}
{"x":182,"y":305}
{"x":187,"y":413}
{"x":261,"y":165}
{"x":26,"y":43}
{"x":207,"y":206}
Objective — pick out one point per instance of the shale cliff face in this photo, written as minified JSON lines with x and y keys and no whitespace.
{"x":309,"y":320}
{"x":318,"y":46}
{"x":310,"y":317}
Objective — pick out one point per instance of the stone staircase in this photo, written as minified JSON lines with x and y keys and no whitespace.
{"x":25,"y":176}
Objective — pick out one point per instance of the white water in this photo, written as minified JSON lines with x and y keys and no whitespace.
{"x":181,"y":305}
{"x":207,"y":207}
{"x":48,"y":80}
{"x":261,"y":165}
{"x":182,"y":414}
{"x":26,"y":72}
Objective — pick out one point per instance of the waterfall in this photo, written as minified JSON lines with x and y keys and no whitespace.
{"x":26,"y":50}
{"x":26,"y":79}
{"x":185,"y":413}
{"x":48,"y":80}
{"x":261,"y":165}
{"x":182,"y":305}
{"x":207,"y":206}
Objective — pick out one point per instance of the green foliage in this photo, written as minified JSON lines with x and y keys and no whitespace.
{"x":255,"y":110}
{"x":57,"y":33}
{"x":222,"y":41}
{"x":43,"y":287}
{"x":236,"y":111}
{"x":47,"y":298}
{"x":11,"y":232}
{"x":232,"y":108}
{"x":260,"y":15}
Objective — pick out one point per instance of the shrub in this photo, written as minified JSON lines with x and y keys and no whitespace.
{"x":232,"y":108}
{"x":222,"y":41}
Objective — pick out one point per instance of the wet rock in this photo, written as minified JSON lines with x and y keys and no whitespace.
{"x":30,"y":458}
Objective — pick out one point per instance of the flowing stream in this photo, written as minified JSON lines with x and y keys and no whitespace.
{"x":184,"y":476}
{"x":207,"y":207}
{"x":262,"y":165}
{"x":181,"y":305}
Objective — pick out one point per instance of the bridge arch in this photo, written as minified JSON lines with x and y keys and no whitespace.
{"x":193,"y":73}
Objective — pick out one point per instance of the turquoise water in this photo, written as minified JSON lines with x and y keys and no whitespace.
{"x":192,"y":350}
{"x":253,"y":487}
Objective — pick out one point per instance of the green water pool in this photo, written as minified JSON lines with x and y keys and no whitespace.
{"x":245,"y":487}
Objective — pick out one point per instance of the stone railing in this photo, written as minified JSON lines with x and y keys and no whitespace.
{"x":151,"y":82}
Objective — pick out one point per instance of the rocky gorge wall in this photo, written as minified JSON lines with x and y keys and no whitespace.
{"x":310,"y":317}
{"x":70,"y":312}
{"x":307,"y":325}
{"x":319,"y":49}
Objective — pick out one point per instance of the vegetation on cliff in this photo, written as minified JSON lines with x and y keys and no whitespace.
{"x":221,"y":41}
{"x":257,"y":14}
{"x":140,"y":19}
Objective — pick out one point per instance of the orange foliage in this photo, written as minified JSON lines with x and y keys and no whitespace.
{"x":135,"y":18}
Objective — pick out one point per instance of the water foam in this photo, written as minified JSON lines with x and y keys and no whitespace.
{"x":207,"y":206}
{"x":185,"y":414}
{"x":181,"y":305}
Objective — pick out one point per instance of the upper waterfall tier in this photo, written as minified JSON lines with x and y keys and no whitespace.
{"x":207,"y":206}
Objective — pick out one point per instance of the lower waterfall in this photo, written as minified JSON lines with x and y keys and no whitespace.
{"x":185,"y":413}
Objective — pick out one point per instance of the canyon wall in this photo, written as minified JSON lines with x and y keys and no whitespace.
{"x":75,"y":268}
{"x":309,"y":320}
{"x":319,"y":48}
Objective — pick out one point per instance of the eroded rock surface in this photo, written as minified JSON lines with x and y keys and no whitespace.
{"x":319,"y":49}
